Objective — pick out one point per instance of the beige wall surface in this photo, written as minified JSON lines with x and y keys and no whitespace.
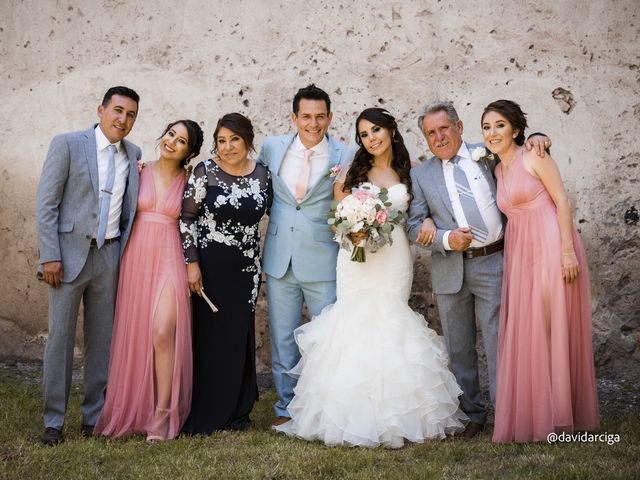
{"x":200,"y":59}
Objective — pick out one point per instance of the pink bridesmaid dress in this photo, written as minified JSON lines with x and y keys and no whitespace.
{"x":546,"y":378}
{"x":153,"y":260}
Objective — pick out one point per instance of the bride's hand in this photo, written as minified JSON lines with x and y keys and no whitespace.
{"x":427,"y":233}
{"x":357,"y":237}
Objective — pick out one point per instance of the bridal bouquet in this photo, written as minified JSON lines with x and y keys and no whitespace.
{"x":365,"y":211}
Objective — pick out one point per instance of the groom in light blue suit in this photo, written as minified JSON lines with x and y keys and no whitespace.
{"x":300,"y":253}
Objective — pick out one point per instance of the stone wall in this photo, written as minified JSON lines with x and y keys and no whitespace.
{"x":572,"y":65}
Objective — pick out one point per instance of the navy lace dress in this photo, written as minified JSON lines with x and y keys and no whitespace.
{"x":219,"y":227}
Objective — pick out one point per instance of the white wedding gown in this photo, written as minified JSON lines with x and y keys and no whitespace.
{"x":372,"y":373}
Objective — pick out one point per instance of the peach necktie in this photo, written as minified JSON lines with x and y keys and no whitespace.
{"x":303,"y":179}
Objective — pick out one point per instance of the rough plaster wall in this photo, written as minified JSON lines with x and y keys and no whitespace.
{"x":200,"y":59}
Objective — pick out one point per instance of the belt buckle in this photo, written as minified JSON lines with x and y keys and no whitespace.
{"x":475,"y":252}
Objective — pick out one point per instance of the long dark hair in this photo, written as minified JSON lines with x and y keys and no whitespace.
{"x":363,"y":160}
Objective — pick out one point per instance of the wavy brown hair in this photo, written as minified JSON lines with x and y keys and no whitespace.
{"x":363,"y":160}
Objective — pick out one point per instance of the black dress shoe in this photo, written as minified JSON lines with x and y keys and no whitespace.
{"x":52,"y":436}
{"x":86,"y":431}
{"x":472,"y":429}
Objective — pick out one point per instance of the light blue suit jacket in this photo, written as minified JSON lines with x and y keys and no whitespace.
{"x":299,"y":233}
{"x":67,"y":200}
{"x":431,"y":199}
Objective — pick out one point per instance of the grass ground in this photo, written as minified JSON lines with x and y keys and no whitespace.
{"x":259,"y":453}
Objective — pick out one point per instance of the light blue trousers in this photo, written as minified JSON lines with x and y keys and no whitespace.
{"x":285,"y":297}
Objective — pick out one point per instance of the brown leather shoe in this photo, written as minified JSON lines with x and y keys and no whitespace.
{"x":279,"y":421}
{"x":52,"y":436}
{"x":471,"y":430}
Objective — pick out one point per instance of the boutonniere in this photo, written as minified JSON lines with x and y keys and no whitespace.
{"x":334,"y":171}
{"x":480,"y":154}
{"x":141,"y":165}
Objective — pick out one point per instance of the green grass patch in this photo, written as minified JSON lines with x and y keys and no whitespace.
{"x":260,"y":453}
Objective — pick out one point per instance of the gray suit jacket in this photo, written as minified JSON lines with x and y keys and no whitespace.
{"x":299,"y":233}
{"x":431,"y":199}
{"x":67,"y":200}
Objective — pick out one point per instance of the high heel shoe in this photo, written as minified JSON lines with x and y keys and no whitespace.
{"x":158,"y":431}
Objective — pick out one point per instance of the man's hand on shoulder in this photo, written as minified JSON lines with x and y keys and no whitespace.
{"x":539,"y":143}
{"x":460,"y":239}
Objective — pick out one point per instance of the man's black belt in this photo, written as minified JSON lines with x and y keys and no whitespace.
{"x":107,"y":241}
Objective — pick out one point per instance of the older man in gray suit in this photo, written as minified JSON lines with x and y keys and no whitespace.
{"x":457,"y":191}
{"x":84,"y":211}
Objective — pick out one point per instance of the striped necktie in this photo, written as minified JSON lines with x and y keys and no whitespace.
{"x":469,"y":204}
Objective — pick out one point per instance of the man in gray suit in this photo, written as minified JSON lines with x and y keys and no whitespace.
{"x":84,"y":211}
{"x":299,"y":253}
{"x":458,"y":193}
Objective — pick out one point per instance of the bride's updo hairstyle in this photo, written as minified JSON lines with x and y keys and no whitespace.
{"x":363,"y":160}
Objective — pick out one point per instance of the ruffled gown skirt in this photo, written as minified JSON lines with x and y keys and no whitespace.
{"x":371,"y":371}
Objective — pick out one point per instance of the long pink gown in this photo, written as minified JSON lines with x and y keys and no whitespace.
{"x":152,"y":260}
{"x":546,"y":378}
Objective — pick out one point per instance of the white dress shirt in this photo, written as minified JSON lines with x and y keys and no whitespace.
{"x":481,"y":192}
{"x":294,"y":158}
{"x":119,"y":184}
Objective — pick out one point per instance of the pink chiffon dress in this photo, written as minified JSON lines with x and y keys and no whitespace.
{"x":545,"y":377}
{"x":152,"y":262}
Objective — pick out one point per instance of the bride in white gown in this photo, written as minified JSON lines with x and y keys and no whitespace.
{"x":371,"y":371}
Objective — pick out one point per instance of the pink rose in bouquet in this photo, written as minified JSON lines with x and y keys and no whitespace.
{"x":382,"y":216}
{"x":363,"y":195}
